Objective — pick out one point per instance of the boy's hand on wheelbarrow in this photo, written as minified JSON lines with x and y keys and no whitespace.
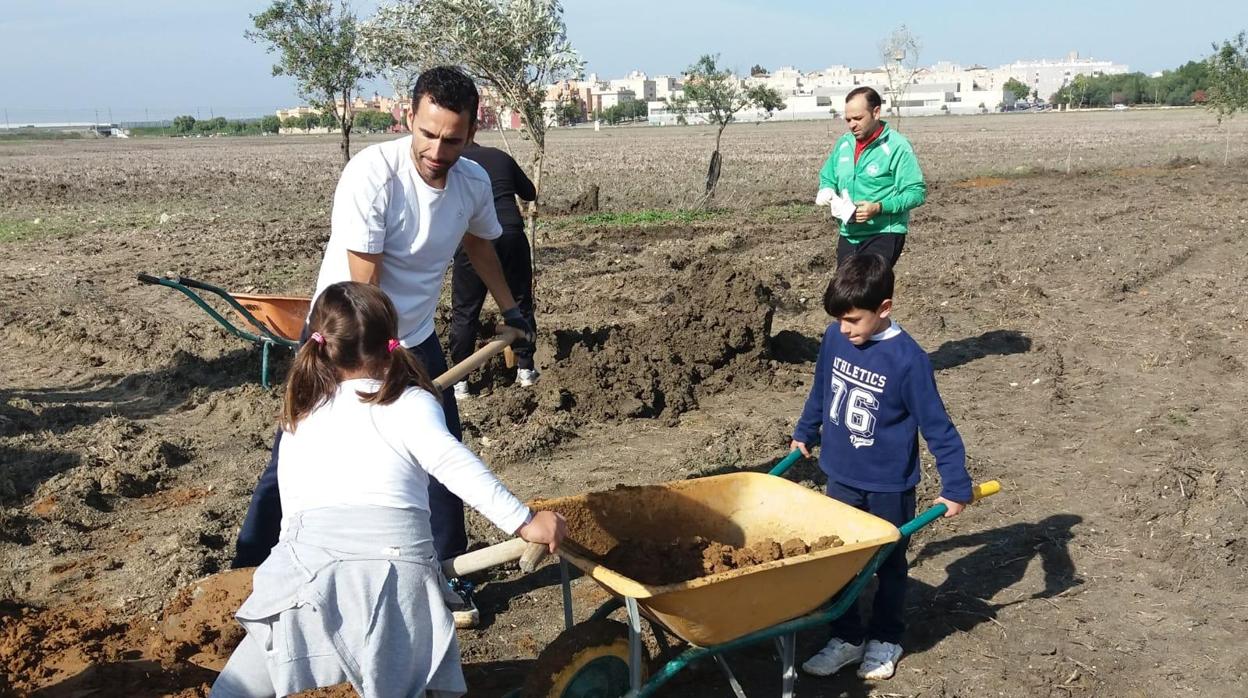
{"x":801,"y":447}
{"x":547,"y":528}
{"x":953,"y":508}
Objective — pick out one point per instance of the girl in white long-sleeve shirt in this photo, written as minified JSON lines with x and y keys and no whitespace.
{"x":353,"y":592}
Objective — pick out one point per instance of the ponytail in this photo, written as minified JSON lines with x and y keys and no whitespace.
{"x":311,"y":383}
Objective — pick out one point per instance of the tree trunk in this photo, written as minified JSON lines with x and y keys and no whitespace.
{"x":498,"y":121}
{"x":712,"y":172}
{"x":539,"y":159}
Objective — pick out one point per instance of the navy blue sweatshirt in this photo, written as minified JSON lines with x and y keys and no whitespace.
{"x":870,"y":402}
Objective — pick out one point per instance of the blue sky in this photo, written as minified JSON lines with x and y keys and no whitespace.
{"x":66,"y":59}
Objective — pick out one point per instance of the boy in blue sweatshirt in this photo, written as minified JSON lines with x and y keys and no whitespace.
{"x":873,"y":392}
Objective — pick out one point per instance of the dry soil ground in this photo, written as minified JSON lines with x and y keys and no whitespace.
{"x":1079,"y":280}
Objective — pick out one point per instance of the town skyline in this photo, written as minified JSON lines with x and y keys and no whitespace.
{"x":103,"y":68}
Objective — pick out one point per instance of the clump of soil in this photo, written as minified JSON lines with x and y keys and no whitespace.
{"x":198,"y":625}
{"x":653,"y":562}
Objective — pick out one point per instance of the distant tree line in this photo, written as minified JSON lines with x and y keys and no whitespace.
{"x":632,"y":110}
{"x":186,"y":125}
{"x":1183,"y":86}
{"x":371,"y":121}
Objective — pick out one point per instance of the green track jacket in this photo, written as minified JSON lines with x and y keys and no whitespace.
{"x":887,"y":172}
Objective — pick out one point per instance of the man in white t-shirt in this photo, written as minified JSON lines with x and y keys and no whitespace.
{"x":400,"y":211}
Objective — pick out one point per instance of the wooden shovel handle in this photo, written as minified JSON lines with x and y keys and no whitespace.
{"x":503,"y":338}
{"x":529,"y":555}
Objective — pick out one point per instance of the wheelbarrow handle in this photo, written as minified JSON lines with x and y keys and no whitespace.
{"x":786,"y":463}
{"x":978,"y":492}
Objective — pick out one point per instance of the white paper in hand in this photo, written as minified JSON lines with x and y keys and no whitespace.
{"x":825,"y":196}
{"x":843,"y":207}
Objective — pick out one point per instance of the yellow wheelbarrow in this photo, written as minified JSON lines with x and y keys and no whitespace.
{"x":720,"y":612}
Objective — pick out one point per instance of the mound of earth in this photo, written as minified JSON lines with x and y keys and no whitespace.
{"x":76,"y":651}
{"x":711,"y":333}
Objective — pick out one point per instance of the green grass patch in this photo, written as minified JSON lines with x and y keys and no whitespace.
{"x":18,"y":229}
{"x":31,"y":134}
{"x":649,"y":217}
{"x":14,"y":230}
{"x":19,"y":225}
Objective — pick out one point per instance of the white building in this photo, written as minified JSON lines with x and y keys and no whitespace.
{"x":666,"y":87}
{"x":941,"y":88}
{"x":1049,"y":76}
{"x":641,"y":86}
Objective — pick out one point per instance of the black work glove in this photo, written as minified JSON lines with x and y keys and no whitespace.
{"x":513,"y":317}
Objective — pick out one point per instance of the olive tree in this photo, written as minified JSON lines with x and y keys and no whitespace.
{"x":1228,"y":82}
{"x":718,"y":95}
{"x":317,"y":45}
{"x":513,"y":48}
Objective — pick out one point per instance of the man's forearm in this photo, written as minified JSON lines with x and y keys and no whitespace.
{"x":364,"y":268}
{"x":485,"y":262}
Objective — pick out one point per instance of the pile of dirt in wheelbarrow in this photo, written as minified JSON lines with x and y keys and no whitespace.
{"x":709,"y":334}
{"x":657,"y":562}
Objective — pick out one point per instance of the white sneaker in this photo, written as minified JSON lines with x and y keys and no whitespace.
{"x":880,"y":661}
{"x":461,"y":391}
{"x":462,"y":604}
{"x":836,"y":655}
{"x":527,"y":377}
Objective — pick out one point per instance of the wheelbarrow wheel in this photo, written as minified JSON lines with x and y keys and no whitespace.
{"x":589,"y":659}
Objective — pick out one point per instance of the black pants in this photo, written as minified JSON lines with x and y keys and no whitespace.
{"x":468,"y":293}
{"x":888,"y":622}
{"x":886,"y":245}
{"x":263,"y":522}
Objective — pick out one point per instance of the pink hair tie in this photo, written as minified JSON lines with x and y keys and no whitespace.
{"x":392,"y":345}
{"x":318,"y":338}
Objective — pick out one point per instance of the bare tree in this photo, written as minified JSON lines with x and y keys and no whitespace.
{"x":900,"y":55}
{"x":316,"y":40}
{"x":515,"y":48}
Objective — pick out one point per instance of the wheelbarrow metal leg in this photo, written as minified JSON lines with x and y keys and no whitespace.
{"x":788,"y":661}
{"x":635,"y":647}
{"x":264,"y":364}
{"x":565,"y":579}
{"x":732,"y":679}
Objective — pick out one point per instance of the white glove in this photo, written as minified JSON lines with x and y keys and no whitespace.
{"x":825,"y":196}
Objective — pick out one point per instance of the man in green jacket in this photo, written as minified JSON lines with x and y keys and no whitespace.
{"x":875,"y":167}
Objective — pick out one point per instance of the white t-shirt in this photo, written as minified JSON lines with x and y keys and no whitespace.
{"x":351,"y":453}
{"x":382,"y":205}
